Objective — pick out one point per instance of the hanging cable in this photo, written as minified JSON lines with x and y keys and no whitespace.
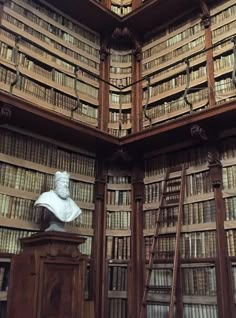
{"x":146,"y":104}
{"x":15,"y":57}
{"x":234,"y":67}
{"x":78,"y":104}
{"x":187,"y":86}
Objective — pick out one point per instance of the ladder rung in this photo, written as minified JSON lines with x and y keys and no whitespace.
{"x":153,"y":287}
{"x":176,"y":168}
{"x":171,"y":183}
{"x":168,"y":218}
{"x":169,"y":205}
{"x":170,"y":193}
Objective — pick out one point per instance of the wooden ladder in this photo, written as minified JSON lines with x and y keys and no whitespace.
{"x":172,"y":195}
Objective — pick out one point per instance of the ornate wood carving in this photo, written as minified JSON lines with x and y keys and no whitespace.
{"x":5,"y":114}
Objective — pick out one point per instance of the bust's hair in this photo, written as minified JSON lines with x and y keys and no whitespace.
{"x":61,"y":175}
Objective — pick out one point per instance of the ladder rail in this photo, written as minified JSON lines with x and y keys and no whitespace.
{"x":177,"y":245}
{"x":153,"y":247}
{"x":155,"y":241}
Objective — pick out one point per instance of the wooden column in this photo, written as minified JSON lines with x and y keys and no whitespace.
{"x":99,"y":246}
{"x":103,"y":114}
{"x":209,"y":54}
{"x":224,"y":283}
{"x":136,"y":88}
{"x":136,"y":287}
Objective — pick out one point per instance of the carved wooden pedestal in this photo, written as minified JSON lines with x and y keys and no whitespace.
{"x":47,"y":278}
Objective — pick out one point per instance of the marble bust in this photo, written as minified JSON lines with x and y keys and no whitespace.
{"x":58,"y":202}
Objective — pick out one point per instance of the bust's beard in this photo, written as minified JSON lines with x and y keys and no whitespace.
{"x":62,"y":192}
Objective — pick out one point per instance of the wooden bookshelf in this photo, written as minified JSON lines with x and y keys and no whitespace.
{"x":120,"y":112}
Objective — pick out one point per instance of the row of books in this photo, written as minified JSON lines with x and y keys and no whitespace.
{"x":37,"y":182}
{"x":224,"y":90}
{"x":119,"y":197}
{"x":224,"y":29}
{"x":167,"y":217}
{"x":177,"y":68}
{"x":85,"y":220}
{"x":231,"y":242}
{"x":23,"y":209}
{"x":58,"y":100}
{"x":118,"y":132}
{"x":118,"y":248}
{"x":46,"y":72}
{"x":118,"y":220}
{"x":120,"y":82}
{"x":167,"y":108}
{"x":174,"y":82}
{"x":197,"y":310}
{"x":153,"y":192}
{"x":160,"y":45}
{"x":196,"y":281}
{"x":229,"y":177}
{"x":223,"y":61}
{"x":192,"y":157}
{"x":70,"y":24}
{"x":198,"y":183}
{"x":173,"y":54}
{"x":193,"y":213}
{"x":86,"y":247}
{"x":119,"y":179}
{"x":117,"y":308}
{"x":120,"y":56}
{"x":115,"y":117}
{"x":117,"y":277}
{"x":22,"y":10}
{"x":199,"y":281}
{"x":120,"y":70}
{"x":32,"y":149}
{"x":192,"y":245}
{"x":223,"y":13}
{"x":230,"y":208}
{"x":199,"y":212}
{"x":19,"y":208}
{"x":37,"y":53}
{"x":228,"y":148}
{"x":190,"y":310}
{"x":43,"y":39}
{"x":10,"y":239}
{"x":120,"y":98}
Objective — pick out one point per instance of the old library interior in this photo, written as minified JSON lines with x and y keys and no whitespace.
{"x":133,"y":104}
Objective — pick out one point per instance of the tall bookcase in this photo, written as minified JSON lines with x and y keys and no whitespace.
{"x":120,"y":97}
{"x":118,"y":240}
{"x":198,"y":237}
{"x":27,"y":167}
{"x":36,"y":39}
{"x":123,"y":110}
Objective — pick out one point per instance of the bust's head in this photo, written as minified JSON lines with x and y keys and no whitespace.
{"x":61,"y":184}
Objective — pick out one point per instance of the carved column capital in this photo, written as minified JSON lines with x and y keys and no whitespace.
{"x":5,"y":113}
{"x":104,"y":52}
{"x":215,"y":167}
{"x":206,"y":20}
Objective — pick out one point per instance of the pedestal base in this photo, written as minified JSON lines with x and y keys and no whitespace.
{"x":47,"y":278}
